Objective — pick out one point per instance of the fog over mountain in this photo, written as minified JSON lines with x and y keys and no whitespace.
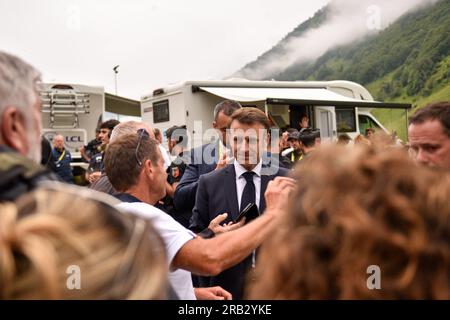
{"x":346,"y":21}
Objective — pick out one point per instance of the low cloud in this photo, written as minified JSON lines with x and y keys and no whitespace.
{"x":348,"y":21}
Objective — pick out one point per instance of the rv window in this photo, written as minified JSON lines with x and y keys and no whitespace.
{"x":366,"y":122}
{"x":161,"y":111}
{"x":345,"y":120}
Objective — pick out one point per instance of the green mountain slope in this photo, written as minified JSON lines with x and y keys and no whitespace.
{"x":407,"y":62}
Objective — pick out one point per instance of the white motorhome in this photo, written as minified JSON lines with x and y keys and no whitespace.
{"x":334,"y":107}
{"x":75,"y":111}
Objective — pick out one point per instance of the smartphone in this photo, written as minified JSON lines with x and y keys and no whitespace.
{"x":250,"y":212}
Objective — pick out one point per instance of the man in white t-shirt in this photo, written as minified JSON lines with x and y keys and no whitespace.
{"x":134,"y":166}
{"x":174,"y":236}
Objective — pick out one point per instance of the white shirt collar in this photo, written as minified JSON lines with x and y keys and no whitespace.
{"x":240,"y":169}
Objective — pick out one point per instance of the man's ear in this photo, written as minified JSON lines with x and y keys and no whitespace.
{"x":14,"y":130}
{"x":214,"y":124}
{"x":149,"y":169}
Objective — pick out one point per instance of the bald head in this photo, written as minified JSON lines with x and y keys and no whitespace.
{"x":58,"y":142}
{"x":130,"y":127}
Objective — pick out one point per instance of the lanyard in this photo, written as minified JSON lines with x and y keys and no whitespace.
{"x":293,"y":156}
{"x":62,"y":155}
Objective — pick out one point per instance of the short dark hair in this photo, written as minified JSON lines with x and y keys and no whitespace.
{"x":227,"y":107}
{"x":109,"y":124}
{"x":121,"y":167}
{"x":308,"y":137}
{"x":434,"y":111}
{"x":178,"y":133}
{"x":251,"y":115}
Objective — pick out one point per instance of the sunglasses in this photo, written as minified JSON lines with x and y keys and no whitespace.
{"x":142,"y":133}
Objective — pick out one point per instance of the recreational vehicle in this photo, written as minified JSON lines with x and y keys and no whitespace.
{"x":75,"y":111}
{"x":334,"y":107}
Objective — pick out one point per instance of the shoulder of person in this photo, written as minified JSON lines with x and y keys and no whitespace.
{"x":142,"y":209}
{"x":218,"y":174}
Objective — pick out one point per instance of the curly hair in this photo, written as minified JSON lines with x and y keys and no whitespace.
{"x":354,"y":209}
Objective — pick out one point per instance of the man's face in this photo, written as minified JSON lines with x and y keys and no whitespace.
{"x":58,"y":142}
{"x":295,"y":144}
{"x":429,"y":144}
{"x":221,"y":124}
{"x":160,"y":176}
{"x":104,"y":136}
{"x":248,"y":142}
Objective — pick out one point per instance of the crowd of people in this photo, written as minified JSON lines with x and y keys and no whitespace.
{"x":165,"y":223}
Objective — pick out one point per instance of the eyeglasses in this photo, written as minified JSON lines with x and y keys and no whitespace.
{"x":142,"y":133}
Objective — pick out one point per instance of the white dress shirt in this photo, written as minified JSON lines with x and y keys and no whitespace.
{"x":240,"y":181}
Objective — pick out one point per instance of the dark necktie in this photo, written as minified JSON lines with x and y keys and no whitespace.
{"x":249,"y":193}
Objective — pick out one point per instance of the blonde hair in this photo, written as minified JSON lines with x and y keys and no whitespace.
{"x":47,"y":232}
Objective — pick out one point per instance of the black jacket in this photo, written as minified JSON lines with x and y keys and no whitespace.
{"x":217,"y":194}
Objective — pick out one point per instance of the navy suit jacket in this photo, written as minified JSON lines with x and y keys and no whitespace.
{"x":217,"y":194}
{"x":202,"y":160}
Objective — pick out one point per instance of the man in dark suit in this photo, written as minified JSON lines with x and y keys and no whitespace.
{"x":206,"y":158}
{"x":233,"y":187}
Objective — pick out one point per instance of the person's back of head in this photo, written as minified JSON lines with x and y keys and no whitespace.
{"x":125,"y":158}
{"x":131,"y":127}
{"x":308,"y":137}
{"x":157,"y":134}
{"x":20,"y":118}
{"x":356,"y":211}
{"x":60,"y":245}
{"x":343,"y":139}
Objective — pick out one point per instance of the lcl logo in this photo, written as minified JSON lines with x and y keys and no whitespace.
{"x":74,"y":139}
{"x":67,"y":139}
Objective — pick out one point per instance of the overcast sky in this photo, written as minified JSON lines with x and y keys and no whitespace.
{"x":155,"y":42}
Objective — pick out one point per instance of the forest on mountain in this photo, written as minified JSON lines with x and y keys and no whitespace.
{"x":409,"y":61}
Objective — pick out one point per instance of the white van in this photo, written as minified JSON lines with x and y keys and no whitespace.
{"x":334,"y":107}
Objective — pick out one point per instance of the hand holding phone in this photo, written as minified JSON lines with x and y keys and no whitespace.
{"x":250,"y":212}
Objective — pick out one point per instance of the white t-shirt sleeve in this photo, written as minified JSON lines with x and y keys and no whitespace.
{"x":173,"y":234}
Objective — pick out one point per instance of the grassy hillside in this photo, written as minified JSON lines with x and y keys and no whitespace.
{"x":407,"y":62}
